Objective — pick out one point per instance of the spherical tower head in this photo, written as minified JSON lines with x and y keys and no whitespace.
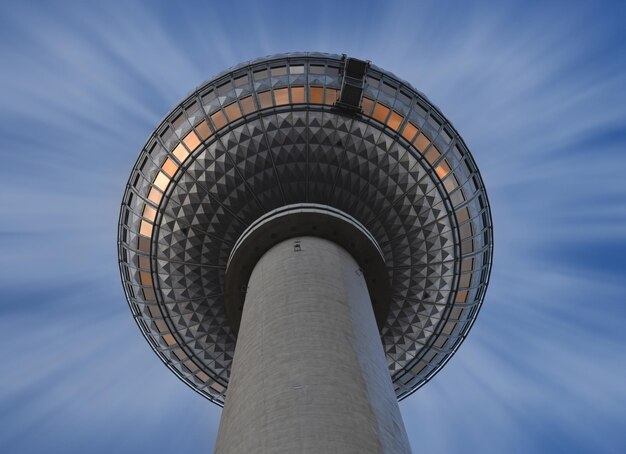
{"x":328,"y":135}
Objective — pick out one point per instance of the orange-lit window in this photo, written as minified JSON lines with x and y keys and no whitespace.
{"x":367,"y":105}
{"x":461,"y":297}
{"x":191,"y":140}
{"x":297,"y":95}
{"x":155,"y":196}
{"x":282,"y":96}
{"x":170,"y":167}
{"x":169,"y":340}
{"x":232,"y":111}
{"x":161,"y":181}
{"x":380,"y":112}
{"x":180,"y":152}
{"x":331,"y":96}
{"x":202,"y":376}
{"x":462,"y":215}
{"x":145,"y":228}
{"x":145,"y":278}
{"x":204,"y":130}
{"x":218,"y":119}
{"x":395,"y":120}
{"x":442,"y":169}
{"x":218,"y":388}
{"x":149,"y":212}
{"x":317,"y":95}
{"x":465,"y":281}
{"x":247,"y":105}
{"x":265,"y":99}
{"x":409,"y":131}
{"x":421,"y":142}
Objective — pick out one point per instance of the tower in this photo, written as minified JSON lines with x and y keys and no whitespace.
{"x":305,"y":239}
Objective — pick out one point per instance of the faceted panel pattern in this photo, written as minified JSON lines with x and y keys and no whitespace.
{"x":418,"y":193}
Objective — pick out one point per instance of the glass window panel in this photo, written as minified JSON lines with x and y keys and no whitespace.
{"x":462,"y":215}
{"x":145,"y":278}
{"x":467,"y":247}
{"x":298,"y":69}
{"x":224,"y":88}
{"x":432,"y":155}
{"x":395,"y":120}
{"x":317,"y":95}
{"x":367,"y":105}
{"x":442,"y":169}
{"x":465,"y":281}
{"x":202,"y":376}
{"x":450,"y":184}
{"x":144,"y":262}
{"x":148,"y":294}
{"x":191,"y":140}
{"x":331,"y":96}
{"x":380,"y":112}
{"x":169,"y":340}
{"x":281,"y":96}
{"x":218,"y":119}
{"x":180,"y":152}
{"x":461,"y":297}
{"x":149,"y":212}
{"x":259,"y":75}
{"x":247,"y":105}
{"x":204,"y":130}
{"x":466,"y":230}
{"x":155,"y":196}
{"x":145,"y":228}
{"x":143,"y":244}
{"x":280,"y":71}
{"x":409,"y":131}
{"x":297,"y":95}
{"x":232,"y":111}
{"x":467,"y":264}
{"x":315,"y":69}
{"x":240,"y":81}
{"x":161,"y":181}
{"x":421,"y":142}
{"x":265,"y":99}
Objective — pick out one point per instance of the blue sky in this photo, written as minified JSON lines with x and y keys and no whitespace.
{"x":538,"y":91}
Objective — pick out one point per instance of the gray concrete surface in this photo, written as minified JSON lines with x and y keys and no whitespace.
{"x":309,"y":372}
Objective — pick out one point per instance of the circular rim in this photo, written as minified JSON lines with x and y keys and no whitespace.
{"x":419,"y":114}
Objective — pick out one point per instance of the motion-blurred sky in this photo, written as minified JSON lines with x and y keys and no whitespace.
{"x":538,"y":91}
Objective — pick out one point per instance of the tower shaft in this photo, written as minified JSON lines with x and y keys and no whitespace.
{"x":309,"y":372}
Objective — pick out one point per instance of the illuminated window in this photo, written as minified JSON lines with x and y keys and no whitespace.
{"x":161,"y":181}
{"x":145,"y":278}
{"x":155,"y":196}
{"x":409,"y":131}
{"x":148,"y":294}
{"x":462,"y":215}
{"x":467,"y":264}
{"x":394,"y":121}
{"x":145,"y":228}
{"x":461,"y":296}
{"x":331,"y":96}
{"x":442,"y":169}
{"x":169,"y":340}
{"x":465,"y":281}
{"x":180,"y":152}
{"x":259,"y":75}
{"x":265,"y":99}
{"x":202,"y":376}
{"x":191,"y":140}
{"x":247,"y":105}
{"x":143,"y":244}
{"x":281,"y":96}
{"x":232,"y":111}
{"x":219,"y":120}
{"x":421,"y":142}
{"x":466,"y":230}
{"x":297,"y":95}
{"x":317,"y":95}
{"x":380,"y":112}
{"x":169,"y":167}
{"x":144,"y":262}
{"x":204,"y":130}
{"x":149,"y":213}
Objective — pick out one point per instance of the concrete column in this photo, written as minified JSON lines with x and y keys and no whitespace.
{"x":309,"y":373}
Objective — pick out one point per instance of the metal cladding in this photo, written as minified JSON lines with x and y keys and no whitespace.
{"x":279,"y":131}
